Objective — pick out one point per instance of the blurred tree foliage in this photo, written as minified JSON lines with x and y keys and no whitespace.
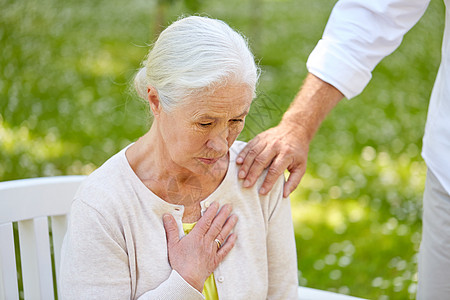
{"x":66,"y":105}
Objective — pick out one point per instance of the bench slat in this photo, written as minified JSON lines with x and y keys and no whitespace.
{"x":59,"y":228}
{"x":8,"y":284}
{"x":44,"y":257}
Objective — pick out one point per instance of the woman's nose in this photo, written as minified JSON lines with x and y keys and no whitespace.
{"x":219,"y":142}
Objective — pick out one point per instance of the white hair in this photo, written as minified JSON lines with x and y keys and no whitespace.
{"x":195,"y":55}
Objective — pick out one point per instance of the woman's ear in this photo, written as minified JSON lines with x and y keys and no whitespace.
{"x":153,"y":100}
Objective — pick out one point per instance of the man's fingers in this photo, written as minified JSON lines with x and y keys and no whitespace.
{"x":261,"y":162}
{"x":241,"y":156}
{"x":171,"y":230}
{"x":247,"y":155}
{"x":294,"y":179}
{"x":276,"y":169}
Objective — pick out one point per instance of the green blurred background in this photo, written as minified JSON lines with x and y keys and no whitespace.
{"x":66,"y":106}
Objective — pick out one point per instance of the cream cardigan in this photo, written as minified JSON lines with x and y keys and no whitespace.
{"x":115,"y":246}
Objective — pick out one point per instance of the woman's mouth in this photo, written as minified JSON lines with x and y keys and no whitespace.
{"x":208,"y":161}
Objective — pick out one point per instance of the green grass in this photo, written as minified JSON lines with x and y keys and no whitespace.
{"x":65,"y":105}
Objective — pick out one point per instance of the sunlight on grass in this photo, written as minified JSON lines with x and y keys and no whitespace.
{"x":335,"y":215}
{"x":340,"y":203}
{"x":105,"y":62}
{"x":21,"y":140}
{"x":31,"y":153}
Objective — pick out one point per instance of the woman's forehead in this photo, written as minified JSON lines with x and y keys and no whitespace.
{"x":213,"y":114}
{"x":232,"y":100}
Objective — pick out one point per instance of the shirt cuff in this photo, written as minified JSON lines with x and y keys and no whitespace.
{"x":334,"y":66}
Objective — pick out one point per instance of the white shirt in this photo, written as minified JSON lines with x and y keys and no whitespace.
{"x":358,"y":35}
{"x":115,"y":246}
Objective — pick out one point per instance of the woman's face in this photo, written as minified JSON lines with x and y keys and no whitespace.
{"x":198,"y":133}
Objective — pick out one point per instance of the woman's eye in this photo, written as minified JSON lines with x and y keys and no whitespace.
{"x":205,"y":124}
{"x":237,"y":120}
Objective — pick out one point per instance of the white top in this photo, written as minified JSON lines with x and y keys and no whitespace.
{"x":358,"y":35}
{"x":116,"y":248}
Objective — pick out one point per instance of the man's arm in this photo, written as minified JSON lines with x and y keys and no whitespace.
{"x":286,"y":145}
{"x":359,"y":33}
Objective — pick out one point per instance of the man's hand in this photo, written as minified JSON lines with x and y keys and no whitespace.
{"x":280,"y":147}
{"x":286,"y":146}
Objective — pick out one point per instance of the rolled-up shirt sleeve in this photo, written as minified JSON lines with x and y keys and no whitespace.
{"x":358,"y":35}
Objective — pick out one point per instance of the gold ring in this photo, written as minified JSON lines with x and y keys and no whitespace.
{"x":219,"y":244}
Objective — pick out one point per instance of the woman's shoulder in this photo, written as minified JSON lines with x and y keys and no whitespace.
{"x":106,"y":184}
{"x":247,"y":202}
{"x":235,"y":149}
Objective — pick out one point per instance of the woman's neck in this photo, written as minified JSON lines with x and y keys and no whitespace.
{"x":172,"y":183}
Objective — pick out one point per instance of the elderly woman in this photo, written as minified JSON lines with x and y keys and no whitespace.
{"x":159,"y":220}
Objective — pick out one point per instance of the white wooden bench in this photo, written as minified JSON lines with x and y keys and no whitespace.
{"x":39,"y":207}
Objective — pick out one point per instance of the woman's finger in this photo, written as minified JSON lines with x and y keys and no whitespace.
{"x":227,"y":228}
{"x":226,"y":247}
{"x":219,"y":221}
{"x":204,"y":223}
{"x":171,"y":230}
